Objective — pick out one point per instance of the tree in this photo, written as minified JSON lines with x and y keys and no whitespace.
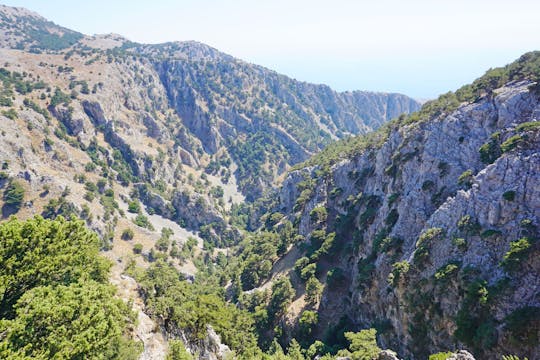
{"x":307,"y":321}
{"x":177,"y":351}
{"x":363,"y":344}
{"x":282,"y":295}
{"x":41,"y":252}
{"x":80,"y":320}
{"x":14,"y":195}
{"x":294,"y":351}
{"x":313,"y":291}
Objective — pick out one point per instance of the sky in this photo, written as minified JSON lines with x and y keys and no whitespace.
{"x":421,"y":48}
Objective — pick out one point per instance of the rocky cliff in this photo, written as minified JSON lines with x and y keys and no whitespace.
{"x":436,"y":221}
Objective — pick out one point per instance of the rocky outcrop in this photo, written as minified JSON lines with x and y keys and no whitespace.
{"x":447,"y":214}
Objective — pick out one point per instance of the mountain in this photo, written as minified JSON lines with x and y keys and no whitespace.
{"x":250,"y":215}
{"x":426,"y":229}
{"x":262,"y":121}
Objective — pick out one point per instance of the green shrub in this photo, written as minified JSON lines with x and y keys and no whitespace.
{"x":469,"y":225}
{"x":466,"y":178}
{"x":519,"y":250}
{"x":509,"y":195}
{"x":423,"y":244}
{"x":14,"y":194}
{"x":511,"y":143}
{"x":440,"y":356}
{"x":523,"y":325}
{"x":490,"y":151}
{"x":308,"y":320}
{"x":143,"y":222}
{"x":443,"y":274}
{"x":428,"y":185}
{"x":308,"y":271}
{"x":134,"y":207}
{"x":127,"y":234}
{"x":318,"y":214}
{"x":399,"y":269}
{"x":460,"y":243}
{"x":137,"y":248}
{"x":313,"y":290}
{"x":363,"y":344}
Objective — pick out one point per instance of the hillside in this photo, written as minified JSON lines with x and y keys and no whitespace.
{"x":426,"y":230}
{"x":249,"y":215}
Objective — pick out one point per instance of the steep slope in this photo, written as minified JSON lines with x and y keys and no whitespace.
{"x":428,"y":229}
{"x":241,"y":113}
{"x":266,"y":121}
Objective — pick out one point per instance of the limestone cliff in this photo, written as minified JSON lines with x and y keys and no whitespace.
{"x":436,"y":226}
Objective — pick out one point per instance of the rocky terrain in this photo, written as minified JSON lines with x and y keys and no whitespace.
{"x":300,"y":212}
{"x":436,"y":227}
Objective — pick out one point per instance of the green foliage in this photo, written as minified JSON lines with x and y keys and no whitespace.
{"x":137,"y":248}
{"x":177,"y":351}
{"x":440,"y":356}
{"x":475,"y":325}
{"x":466,"y":178}
{"x":75,"y":321}
{"x":39,"y":252}
{"x":490,"y":151}
{"x":399,"y":269}
{"x":193,"y":307}
{"x":469,"y":225}
{"x":528,"y":126}
{"x":56,"y":299}
{"x":509,"y":195}
{"x":60,"y":98}
{"x":445,"y":272}
{"x":127,"y":234}
{"x":142,"y":221}
{"x":282,"y":296}
{"x":308,"y":320}
{"x":308,"y":271}
{"x":314,"y":291}
{"x":519,"y":250}
{"x":363,"y":344}
{"x":511,"y":143}
{"x":134,"y":206}
{"x":14,"y":194}
{"x":318,"y":214}
{"x":523,"y":324}
{"x":423,"y":245}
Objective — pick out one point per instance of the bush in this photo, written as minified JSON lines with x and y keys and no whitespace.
{"x":523,"y":325}
{"x":509,"y":195}
{"x":308,"y":271}
{"x":143,"y":222}
{"x":363,"y":344}
{"x":127,"y":234}
{"x":137,"y":248}
{"x":519,"y":250}
{"x":307,"y":322}
{"x":466,"y":178}
{"x":14,"y":195}
{"x":134,"y":207}
{"x":424,"y":242}
{"x":398,"y":270}
{"x":511,"y":143}
{"x":490,"y":151}
{"x":440,"y":356}
{"x":313,"y":291}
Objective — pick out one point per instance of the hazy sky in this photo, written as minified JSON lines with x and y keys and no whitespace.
{"x":418,"y":47}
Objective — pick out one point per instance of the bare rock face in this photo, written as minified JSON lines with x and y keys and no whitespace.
{"x":461,"y":355}
{"x":428,"y":218}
